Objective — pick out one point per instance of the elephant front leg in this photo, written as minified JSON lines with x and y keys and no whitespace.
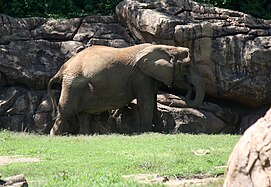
{"x":146,"y":114}
{"x":84,"y":121}
{"x":145,"y":89}
{"x":157,"y":120}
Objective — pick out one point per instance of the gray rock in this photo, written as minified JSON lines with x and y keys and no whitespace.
{"x":249,"y":163}
{"x":231,"y":49}
{"x":14,"y":29}
{"x":57,"y":30}
{"x":250,"y":118}
{"x":29,"y":63}
{"x":102,"y":30}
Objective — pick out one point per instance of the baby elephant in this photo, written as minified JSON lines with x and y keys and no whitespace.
{"x":101,"y":78}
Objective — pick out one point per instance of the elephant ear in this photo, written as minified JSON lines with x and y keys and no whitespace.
{"x":155,"y":62}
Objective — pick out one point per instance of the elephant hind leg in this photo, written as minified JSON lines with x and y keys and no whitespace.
{"x":157,"y":120}
{"x":61,"y":125}
{"x":68,"y":108}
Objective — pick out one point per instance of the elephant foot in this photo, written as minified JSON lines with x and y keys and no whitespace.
{"x":52,"y":132}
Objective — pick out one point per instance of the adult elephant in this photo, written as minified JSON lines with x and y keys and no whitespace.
{"x":101,"y":78}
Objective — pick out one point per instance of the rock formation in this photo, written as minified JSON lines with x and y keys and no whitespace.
{"x":231,"y":49}
{"x":14,"y":181}
{"x":249,"y":163}
{"x":31,"y":52}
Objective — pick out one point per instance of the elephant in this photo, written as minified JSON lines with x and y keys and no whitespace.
{"x":101,"y":78}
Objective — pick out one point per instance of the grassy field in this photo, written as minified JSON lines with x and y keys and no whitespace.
{"x":102,"y":160}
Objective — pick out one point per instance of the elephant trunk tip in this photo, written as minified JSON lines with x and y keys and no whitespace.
{"x":199,"y":96}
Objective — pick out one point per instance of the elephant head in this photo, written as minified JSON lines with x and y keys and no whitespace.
{"x":171,"y":65}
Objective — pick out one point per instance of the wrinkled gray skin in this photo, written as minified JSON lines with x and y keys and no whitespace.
{"x":101,"y":78}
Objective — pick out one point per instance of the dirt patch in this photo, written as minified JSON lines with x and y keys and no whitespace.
{"x":5,"y":160}
{"x":171,"y":182}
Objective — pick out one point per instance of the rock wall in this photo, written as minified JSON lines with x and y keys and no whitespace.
{"x":231,"y":49}
{"x":31,"y":52}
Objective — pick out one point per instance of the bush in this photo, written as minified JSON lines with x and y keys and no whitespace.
{"x":257,"y":8}
{"x":57,"y":8}
{"x":76,"y":8}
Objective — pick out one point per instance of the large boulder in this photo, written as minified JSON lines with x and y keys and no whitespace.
{"x":250,"y":162}
{"x":14,"y":181}
{"x":231,"y":49}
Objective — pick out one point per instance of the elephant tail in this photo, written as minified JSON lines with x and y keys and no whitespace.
{"x":57,"y":77}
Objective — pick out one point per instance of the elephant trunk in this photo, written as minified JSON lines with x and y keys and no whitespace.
{"x":197,"y":84}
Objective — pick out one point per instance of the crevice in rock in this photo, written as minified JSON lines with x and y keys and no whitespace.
{"x":78,"y":27}
{"x":209,"y":18}
{"x":179,"y":12}
{"x":232,"y":34}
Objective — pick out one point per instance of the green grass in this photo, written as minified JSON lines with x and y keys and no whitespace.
{"x":102,"y":160}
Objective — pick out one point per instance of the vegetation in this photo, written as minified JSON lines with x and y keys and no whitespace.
{"x":102,"y":160}
{"x":257,"y":8}
{"x":57,"y":8}
{"x":75,"y":8}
